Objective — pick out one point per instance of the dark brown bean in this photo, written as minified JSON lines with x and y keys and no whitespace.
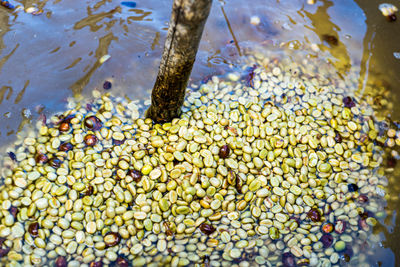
{"x":65,"y":147}
{"x":13,"y":211}
{"x":288,"y":260}
{"x":107,"y":85}
{"x":362,"y":223}
{"x":12,"y":156}
{"x":168,"y":230}
{"x":64,"y":127}
{"x":327,"y":240}
{"x":118,"y":142}
{"x":249,"y":76}
{"x":61,"y":262}
{"x":122,"y":262}
{"x":346,"y":255}
{"x":348,"y":102}
{"x":33,"y":229}
{"x":96,"y":264}
{"x":41,"y":158}
{"x":90,"y":140}
{"x":314,"y":215}
{"x":89,"y":190}
{"x":239,"y":184}
{"x":338,"y":138}
{"x":63,"y":120}
{"x":112,"y":239}
{"x":136,"y":175}
{"x":55,"y":162}
{"x":224,"y":152}
{"x":206,"y":228}
{"x":42,"y":118}
{"x":93,"y":123}
{"x":89,"y":106}
{"x":4,"y":252}
{"x":248,"y":256}
{"x":391,"y":162}
{"x":365,"y":214}
{"x":362,"y":198}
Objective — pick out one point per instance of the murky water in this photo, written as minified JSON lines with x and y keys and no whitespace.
{"x":48,"y":58}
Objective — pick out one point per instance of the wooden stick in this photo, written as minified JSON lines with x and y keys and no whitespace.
{"x":186,"y":27}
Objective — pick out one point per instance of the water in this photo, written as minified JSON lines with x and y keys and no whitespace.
{"x":48,"y":58}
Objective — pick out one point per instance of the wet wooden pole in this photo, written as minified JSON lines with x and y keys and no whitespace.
{"x":185,"y":29}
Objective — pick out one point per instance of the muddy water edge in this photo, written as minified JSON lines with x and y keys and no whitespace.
{"x":46,"y":59}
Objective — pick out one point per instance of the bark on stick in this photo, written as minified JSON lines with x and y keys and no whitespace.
{"x":186,"y":27}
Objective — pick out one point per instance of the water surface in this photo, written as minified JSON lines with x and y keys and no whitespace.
{"x":47,"y":58}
